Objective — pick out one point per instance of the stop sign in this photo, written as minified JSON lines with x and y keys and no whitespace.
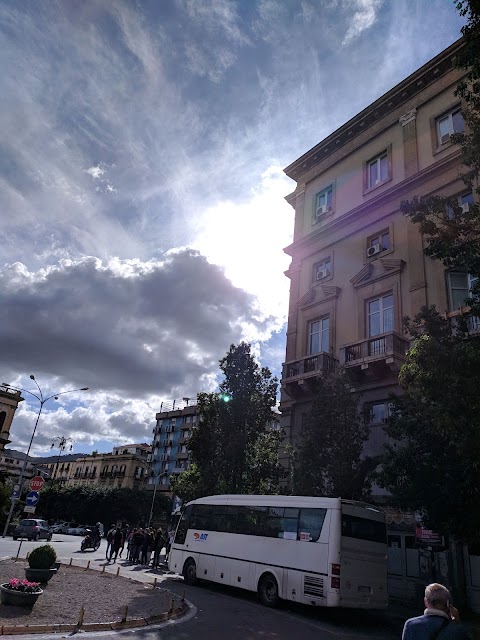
{"x":36,"y":483}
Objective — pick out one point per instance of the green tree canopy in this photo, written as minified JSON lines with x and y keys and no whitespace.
{"x":233,"y":448}
{"x":434,"y":464}
{"x":328,"y":460}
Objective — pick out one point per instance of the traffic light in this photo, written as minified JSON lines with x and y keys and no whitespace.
{"x":225,"y":397}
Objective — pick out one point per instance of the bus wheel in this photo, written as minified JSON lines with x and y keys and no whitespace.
{"x":190,"y":572}
{"x":268,"y":590}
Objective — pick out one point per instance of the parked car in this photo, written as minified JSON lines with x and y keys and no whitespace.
{"x":60,"y":527}
{"x":32,"y":529}
{"x":79,"y":530}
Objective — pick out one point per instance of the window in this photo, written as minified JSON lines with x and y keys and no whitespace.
{"x":319,"y":336}
{"x":322,"y":269}
{"x":323,"y":202}
{"x":363,"y":529}
{"x":459,"y":288}
{"x":451,"y":122}
{"x":378,"y":243}
{"x":183,"y":525}
{"x":377,"y":412}
{"x":282,"y":522}
{"x":310,"y":524}
{"x":464,"y":202}
{"x":380,"y":315}
{"x":378,"y":170}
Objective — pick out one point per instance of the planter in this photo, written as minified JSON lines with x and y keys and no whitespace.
{"x":18,"y":598}
{"x":39,"y":575}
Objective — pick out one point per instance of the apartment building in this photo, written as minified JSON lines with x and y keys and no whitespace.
{"x":169,"y":447}
{"x":358,"y":265}
{"x":9,"y":401}
{"x":126,"y":467}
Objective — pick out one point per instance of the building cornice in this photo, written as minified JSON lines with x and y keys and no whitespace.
{"x":386,"y":104}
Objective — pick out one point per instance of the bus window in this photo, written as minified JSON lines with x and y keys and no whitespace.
{"x":311,"y":523}
{"x":251,"y":521}
{"x":363,"y":529}
{"x":183,"y":525}
{"x":202,"y":517}
{"x":224,"y":518}
{"x":282,"y":523}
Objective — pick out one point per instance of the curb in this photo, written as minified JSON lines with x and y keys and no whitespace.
{"x":134,"y":623}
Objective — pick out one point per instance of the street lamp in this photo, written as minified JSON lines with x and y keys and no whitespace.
{"x":62,"y":445}
{"x":42,"y":401}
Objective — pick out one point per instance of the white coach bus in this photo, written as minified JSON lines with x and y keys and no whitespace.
{"x":319,"y":551}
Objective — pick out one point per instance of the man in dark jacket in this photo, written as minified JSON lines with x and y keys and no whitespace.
{"x":117,"y":539}
{"x":440,"y":619}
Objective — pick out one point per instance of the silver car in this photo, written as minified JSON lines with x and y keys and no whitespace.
{"x":32,"y":529}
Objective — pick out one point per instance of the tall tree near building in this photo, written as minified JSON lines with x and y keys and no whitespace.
{"x":434,"y":465}
{"x":328,"y":460}
{"x":233,"y":447}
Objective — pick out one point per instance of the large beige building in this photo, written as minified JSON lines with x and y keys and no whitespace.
{"x":9,"y":400}
{"x":358,"y":265}
{"x":127,"y":467}
{"x":358,"y":268}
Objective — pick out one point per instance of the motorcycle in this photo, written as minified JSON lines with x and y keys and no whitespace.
{"x":90,"y":541}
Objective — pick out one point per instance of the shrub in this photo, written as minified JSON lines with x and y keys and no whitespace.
{"x":42,"y":557}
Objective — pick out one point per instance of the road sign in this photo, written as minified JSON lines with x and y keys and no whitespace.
{"x":29,"y":509}
{"x":37,"y":483}
{"x":16,"y":491}
{"x":32,"y":498}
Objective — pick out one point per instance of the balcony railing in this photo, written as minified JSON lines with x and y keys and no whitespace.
{"x":305,"y":370}
{"x":182,"y":455}
{"x":473,"y":323}
{"x":382,"y":348}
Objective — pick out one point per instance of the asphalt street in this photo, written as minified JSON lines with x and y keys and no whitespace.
{"x":218,"y":613}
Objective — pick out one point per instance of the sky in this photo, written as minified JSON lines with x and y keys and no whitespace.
{"x":142,"y":190}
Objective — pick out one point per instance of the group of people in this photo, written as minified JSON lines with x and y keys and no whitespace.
{"x":141,"y":544}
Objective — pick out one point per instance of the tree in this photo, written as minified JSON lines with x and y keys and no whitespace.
{"x":233,"y":449}
{"x":328,"y":460}
{"x":454,"y":237}
{"x":434,"y":464}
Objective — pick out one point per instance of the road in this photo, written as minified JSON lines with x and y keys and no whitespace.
{"x":222,"y":613}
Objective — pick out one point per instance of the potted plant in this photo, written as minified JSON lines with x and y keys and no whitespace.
{"x":20,"y":593}
{"x":41,"y":564}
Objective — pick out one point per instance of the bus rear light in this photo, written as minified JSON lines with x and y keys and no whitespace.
{"x":335,"y":569}
{"x":335,"y":584}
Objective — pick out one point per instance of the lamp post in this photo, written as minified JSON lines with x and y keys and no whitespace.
{"x":156,"y":478}
{"x":42,"y":400}
{"x":62,"y":445}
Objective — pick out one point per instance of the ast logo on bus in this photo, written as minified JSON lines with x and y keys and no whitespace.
{"x":200,"y":536}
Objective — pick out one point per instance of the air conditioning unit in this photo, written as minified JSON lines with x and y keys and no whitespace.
{"x":322,"y":273}
{"x":321,"y":211}
{"x":465,"y":207}
{"x":373,"y":250}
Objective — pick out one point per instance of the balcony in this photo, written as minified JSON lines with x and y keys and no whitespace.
{"x":183,"y":440}
{"x":298,"y":376}
{"x":182,"y":455}
{"x":376,"y":357}
{"x":179,"y":469}
{"x":472,"y":324}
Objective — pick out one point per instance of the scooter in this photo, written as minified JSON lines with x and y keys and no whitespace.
{"x":90,"y":542}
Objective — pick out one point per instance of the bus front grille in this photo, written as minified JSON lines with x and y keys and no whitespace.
{"x":313,"y":586}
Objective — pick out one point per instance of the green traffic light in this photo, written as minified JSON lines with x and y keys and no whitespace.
{"x":225,"y":397}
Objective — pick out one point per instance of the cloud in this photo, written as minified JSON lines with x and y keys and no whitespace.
{"x":363,"y":18}
{"x":127,"y":326}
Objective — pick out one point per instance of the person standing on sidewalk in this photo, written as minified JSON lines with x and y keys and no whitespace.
{"x":117,"y":539}
{"x":170,"y":540}
{"x":440,"y":619}
{"x":109,"y":541}
{"x":158,"y":546}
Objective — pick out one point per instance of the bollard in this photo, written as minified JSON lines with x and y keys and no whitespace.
{"x":28,"y":553}
{"x":154,"y":583}
{"x":171,"y":606}
{"x":80,"y":617}
{"x":88,"y":565}
{"x":125,"y":613}
{"x":183,"y":597}
{"x":103,"y":569}
{"x":118,"y":570}
{"x":71,"y":559}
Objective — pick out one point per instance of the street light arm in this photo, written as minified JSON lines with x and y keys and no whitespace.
{"x":32,"y":377}
{"x":62,"y":393}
